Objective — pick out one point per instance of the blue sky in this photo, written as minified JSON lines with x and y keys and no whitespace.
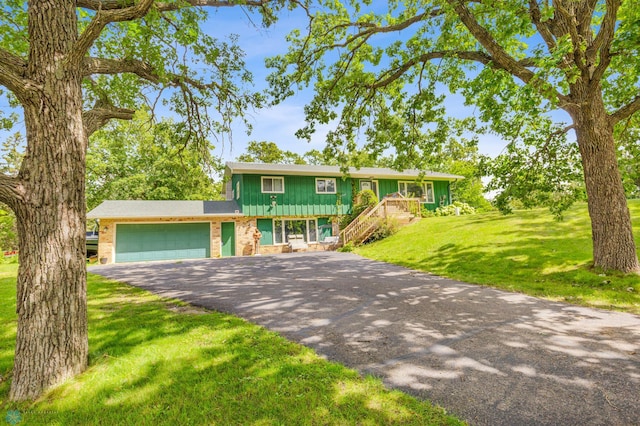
{"x":279,"y":123}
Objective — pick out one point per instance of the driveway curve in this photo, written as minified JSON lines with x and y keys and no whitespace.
{"x":488,"y":356}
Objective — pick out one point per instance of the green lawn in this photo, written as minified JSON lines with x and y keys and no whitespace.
{"x":156,"y":361}
{"x":527,"y":252}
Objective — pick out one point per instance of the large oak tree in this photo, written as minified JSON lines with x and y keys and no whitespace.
{"x":140,"y":160}
{"x":72,"y":66}
{"x":383,"y":68}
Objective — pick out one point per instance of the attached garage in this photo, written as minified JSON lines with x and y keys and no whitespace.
{"x":147,"y":230}
{"x":143,"y":242}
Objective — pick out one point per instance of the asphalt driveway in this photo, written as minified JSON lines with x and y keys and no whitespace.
{"x":488,"y":356}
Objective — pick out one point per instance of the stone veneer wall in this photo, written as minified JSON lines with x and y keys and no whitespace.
{"x":284,"y":248}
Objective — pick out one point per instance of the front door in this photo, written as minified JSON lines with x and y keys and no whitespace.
{"x":228,"y":237}
{"x":371,"y":185}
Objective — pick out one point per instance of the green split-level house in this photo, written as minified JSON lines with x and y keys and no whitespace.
{"x":292,"y":207}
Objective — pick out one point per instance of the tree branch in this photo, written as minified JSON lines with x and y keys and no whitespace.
{"x":602,"y":44}
{"x":106,"y":5}
{"x":584,"y":16}
{"x":499,"y":56}
{"x":100,"y":115}
{"x":108,"y":11}
{"x":12,"y":63}
{"x":543,"y":27}
{"x":10,"y":190}
{"x":626,"y":111}
{"x":12,"y":72}
{"x":476,"y":56}
{"x":143,"y":70}
{"x":100,"y":20}
{"x":104,"y":111}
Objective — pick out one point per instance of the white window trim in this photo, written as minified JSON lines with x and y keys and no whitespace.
{"x":406,"y":183}
{"x":283,"y":219}
{"x":237,"y":190}
{"x":424,"y":189}
{"x":373,"y":181}
{"x":262,"y":178}
{"x":433,"y":192}
{"x":335,"y":186}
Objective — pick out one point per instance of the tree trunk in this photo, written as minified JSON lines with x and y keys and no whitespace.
{"x":613,"y":244}
{"x":51,"y":343}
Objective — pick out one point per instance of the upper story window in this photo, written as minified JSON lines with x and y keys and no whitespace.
{"x":416,"y":190}
{"x":271,"y":184}
{"x":325,"y":186}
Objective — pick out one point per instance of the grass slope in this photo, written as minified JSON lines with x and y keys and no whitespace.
{"x":527,"y":252}
{"x":156,"y":361}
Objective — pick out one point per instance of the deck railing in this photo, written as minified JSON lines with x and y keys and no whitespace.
{"x":368,"y":221}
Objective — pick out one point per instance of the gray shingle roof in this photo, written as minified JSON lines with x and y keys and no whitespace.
{"x":112,"y":209}
{"x":308,"y":170}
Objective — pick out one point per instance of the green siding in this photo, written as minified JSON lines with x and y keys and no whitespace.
{"x":387,"y":186}
{"x":235,"y":179}
{"x":441,"y":191}
{"x":142,"y":242}
{"x":265,"y":226}
{"x":300,"y":198}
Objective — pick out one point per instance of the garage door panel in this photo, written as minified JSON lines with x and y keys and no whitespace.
{"x":143,"y":242}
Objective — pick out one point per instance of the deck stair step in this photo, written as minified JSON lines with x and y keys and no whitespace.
{"x":403,"y":210}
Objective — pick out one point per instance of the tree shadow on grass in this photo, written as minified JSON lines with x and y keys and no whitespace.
{"x":7,"y":332}
{"x":153,"y":365}
{"x":541,"y":265}
{"x":477,"y":351}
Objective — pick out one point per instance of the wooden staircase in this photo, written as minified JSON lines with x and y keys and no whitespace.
{"x":404,"y":210}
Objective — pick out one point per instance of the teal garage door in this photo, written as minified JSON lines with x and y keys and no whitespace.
{"x":141,"y":242}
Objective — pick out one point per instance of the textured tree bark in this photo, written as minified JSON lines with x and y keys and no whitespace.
{"x":613,"y":244}
{"x":51,"y":343}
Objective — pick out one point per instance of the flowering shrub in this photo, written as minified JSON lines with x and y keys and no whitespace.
{"x":450,"y":210}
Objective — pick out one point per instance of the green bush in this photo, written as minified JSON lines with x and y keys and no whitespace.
{"x":363,"y":200}
{"x":450,"y":210}
{"x":386,"y":228}
{"x":349,"y":247}
{"x":425,"y":212}
{"x":366,"y":198}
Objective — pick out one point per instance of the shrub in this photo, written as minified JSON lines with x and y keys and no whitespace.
{"x":366,"y":198}
{"x":349,"y":247}
{"x":450,"y":210}
{"x":386,"y":228}
{"x":425,"y":212}
{"x":363,"y":200}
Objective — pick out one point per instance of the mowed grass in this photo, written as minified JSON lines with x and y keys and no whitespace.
{"x":527,"y":252}
{"x":155,"y":361}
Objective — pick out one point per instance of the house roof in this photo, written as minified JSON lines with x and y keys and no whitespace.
{"x":307,"y":170}
{"x":112,"y":209}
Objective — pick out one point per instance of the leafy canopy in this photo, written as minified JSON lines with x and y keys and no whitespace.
{"x":382,"y":72}
{"x":138,"y":160}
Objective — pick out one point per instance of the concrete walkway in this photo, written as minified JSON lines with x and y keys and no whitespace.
{"x":487,"y":356}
